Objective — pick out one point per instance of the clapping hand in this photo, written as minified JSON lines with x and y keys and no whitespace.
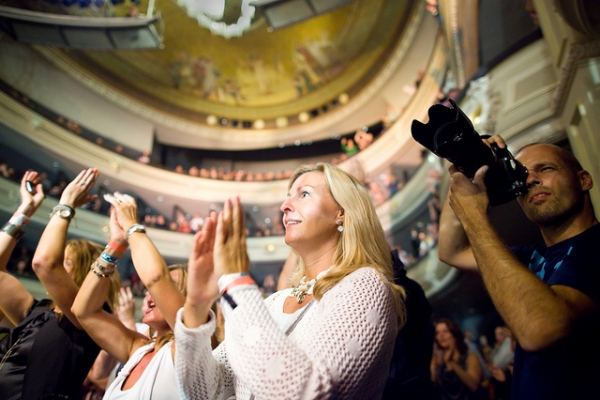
{"x":77,"y":193}
{"x":125,"y":208}
{"x":202,"y":280}
{"x":231,"y":255}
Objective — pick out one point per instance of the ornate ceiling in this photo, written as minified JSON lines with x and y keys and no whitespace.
{"x":276,"y":77}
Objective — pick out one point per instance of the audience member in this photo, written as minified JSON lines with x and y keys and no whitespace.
{"x":184,"y":226}
{"x":160,"y":222}
{"x":409,"y":376}
{"x":363,"y":138}
{"x":194,"y":171}
{"x":47,"y":355}
{"x":348,"y":147}
{"x":391,"y":183}
{"x":332,"y":225}
{"x":148,"y":370}
{"x":6,"y":171}
{"x":485,"y":348}
{"x":547,"y":293}
{"x":144,"y":158}
{"x":196,"y":222}
{"x":456,"y":372}
{"x":502,"y":353}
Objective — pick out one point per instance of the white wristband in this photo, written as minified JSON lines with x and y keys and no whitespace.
{"x":19,"y":220}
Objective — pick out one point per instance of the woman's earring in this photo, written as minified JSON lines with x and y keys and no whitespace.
{"x":340,"y":228}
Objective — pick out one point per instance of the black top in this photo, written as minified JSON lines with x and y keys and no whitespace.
{"x":569,"y":368}
{"x":409,"y":376}
{"x":45,"y":357}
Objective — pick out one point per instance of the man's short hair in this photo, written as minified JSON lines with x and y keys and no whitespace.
{"x":565,"y":155}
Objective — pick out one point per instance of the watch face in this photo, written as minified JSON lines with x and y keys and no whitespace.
{"x":64,"y":213}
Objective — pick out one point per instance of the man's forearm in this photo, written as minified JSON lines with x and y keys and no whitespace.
{"x":453,"y":243}
{"x":531,"y":309}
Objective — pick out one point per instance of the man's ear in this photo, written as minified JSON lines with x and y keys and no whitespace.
{"x":585,"y":180}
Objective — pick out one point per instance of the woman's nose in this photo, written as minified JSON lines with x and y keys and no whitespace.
{"x":286,"y":205}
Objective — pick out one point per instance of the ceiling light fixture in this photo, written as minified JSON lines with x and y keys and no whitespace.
{"x":210,"y":13}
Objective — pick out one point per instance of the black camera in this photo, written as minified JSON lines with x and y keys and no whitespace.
{"x":450,"y":134}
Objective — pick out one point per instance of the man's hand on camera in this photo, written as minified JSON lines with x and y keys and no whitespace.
{"x":468,"y":198}
{"x":494,"y":139}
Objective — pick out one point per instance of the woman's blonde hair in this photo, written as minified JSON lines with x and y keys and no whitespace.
{"x":84,"y":253}
{"x":362,"y":242}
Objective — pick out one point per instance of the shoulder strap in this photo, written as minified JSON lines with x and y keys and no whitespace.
{"x":293,"y":325}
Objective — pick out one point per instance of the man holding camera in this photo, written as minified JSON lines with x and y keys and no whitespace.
{"x":548,"y":293}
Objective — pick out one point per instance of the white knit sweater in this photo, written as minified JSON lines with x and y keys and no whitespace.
{"x":340,"y":349}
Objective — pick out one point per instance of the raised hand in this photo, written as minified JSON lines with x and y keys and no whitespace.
{"x":230,"y":244}
{"x":125,"y":308}
{"x":125,"y":207}
{"x":117,"y":233}
{"x":451,"y":357}
{"x":30,"y":201}
{"x":202,"y":285}
{"x":77,"y":193}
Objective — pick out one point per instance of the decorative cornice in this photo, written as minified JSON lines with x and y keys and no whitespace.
{"x":578,"y":53}
{"x":578,"y":15}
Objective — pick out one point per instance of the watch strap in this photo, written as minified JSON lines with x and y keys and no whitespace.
{"x":63,"y":207}
{"x":135,"y":228}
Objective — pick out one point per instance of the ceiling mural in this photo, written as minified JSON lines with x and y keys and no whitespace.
{"x":259,"y":75}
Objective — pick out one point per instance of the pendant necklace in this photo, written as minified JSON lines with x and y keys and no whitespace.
{"x":303,"y":288}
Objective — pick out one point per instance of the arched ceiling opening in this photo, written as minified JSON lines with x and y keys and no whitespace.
{"x":277,"y":78}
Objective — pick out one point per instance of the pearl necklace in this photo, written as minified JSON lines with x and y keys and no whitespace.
{"x":303,"y":288}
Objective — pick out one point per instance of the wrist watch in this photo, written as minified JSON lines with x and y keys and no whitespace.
{"x":64,"y":211}
{"x":135,"y":228}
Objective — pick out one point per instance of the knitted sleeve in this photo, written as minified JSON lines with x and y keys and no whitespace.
{"x":341,"y":349}
{"x":201,"y":372}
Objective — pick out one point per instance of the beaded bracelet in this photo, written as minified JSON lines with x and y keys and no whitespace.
{"x":108,"y":269}
{"x":108,"y":258}
{"x":100,"y":274}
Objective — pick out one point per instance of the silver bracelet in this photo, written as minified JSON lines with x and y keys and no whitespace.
{"x":13,"y":230}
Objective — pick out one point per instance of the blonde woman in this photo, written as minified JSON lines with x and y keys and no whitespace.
{"x":330,"y":336}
